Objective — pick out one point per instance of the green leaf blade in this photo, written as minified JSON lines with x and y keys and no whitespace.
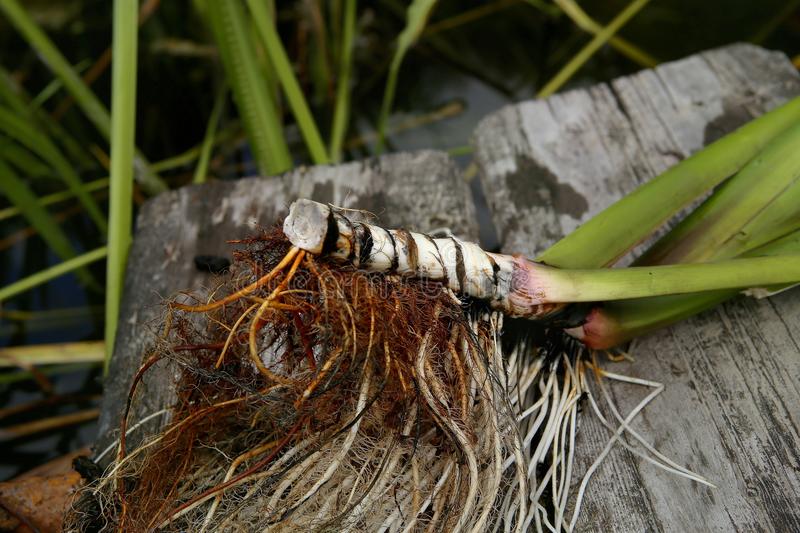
{"x":251,"y":94}
{"x":416,"y":18}
{"x":291,"y":88}
{"x":26,"y":134}
{"x":123,"y":133}
{"x":91,"y":106}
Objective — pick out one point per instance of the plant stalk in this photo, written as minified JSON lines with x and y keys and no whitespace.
{"x":547,"y":285}
{"x":616,"y":322}
{"x":123,"y":128}
{"x":43,"y":276}
{"x":601,"y":38}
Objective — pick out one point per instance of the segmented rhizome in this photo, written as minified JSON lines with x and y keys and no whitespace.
{"x":317,"y":396}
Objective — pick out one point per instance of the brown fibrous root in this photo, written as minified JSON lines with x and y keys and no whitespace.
{"x":313,"y":395}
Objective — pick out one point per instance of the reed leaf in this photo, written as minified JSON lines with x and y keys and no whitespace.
{"x":416,"y":18}
{"x":91,"y":106}
{"x":587,"y":24}
{"x":54,"y":198}
{"x":620,"y":321}
{"x":601,"y":38}
{"x":21,"y":159}
{"x":23,"y":105}
{"x":257,"y":109}
{"x":123,"y":131}
{"x":760,"y":203}
{"x":755,"y":215}
{"x":291,"y":88}
{"x":22,"y":131}
{"x":19,"y":194}
{"x":201,"y":170}
{"x":43,"y":276}
{"x":341,"y":112}
{"x":780,"y":218}
{"x":228,"y":133}
{"x":49,"y":354}
{"x":610,"y":234}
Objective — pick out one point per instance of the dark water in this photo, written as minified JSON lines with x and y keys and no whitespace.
{"x":464,"y":73}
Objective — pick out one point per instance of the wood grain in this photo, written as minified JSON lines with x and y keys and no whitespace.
{"x":731,"y":405}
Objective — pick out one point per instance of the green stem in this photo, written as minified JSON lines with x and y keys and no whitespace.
{"x":609,"y":235}
{"x":43,"y":276}
{"x":56,"y":197}
{"x":123,"y":128}
{"x":620,"y":321}
{"x":550,"y":285}
{"x":22,"y":104}
{"x":19,"y":194}
{"x":26,"y":134}
{"x":587,"y":24}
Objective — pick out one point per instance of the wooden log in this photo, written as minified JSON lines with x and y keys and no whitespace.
{"x":421,"y":190}
{"x":732,"y":375}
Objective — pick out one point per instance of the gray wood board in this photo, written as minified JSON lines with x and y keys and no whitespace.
{"x":731,"y":407}
{"x":420,"y":190}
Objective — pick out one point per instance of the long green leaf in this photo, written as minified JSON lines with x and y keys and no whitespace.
{"x":416,"y":18}
{"x":610,"y":234}
{"x":251,"y":94}
{"x":54,"y":198}
{"x":22,"y":104}
{"x":201,"y":170}
{"x":229,"y":132}
{"x":743,"y":198}
{"x":92,"y":107}
{"x":57,"y":353}
{"x":21,"y":196}
{"x":779,"y":218}
{"x":341,"y":113}
{"x":23,"y":132}
{"x":43,"y":276}
{"x":601,"y":38}
{"x":24,"y":161}
{"x":743,"y":212}
{"x":123,"y":131}
{"x":291,"y":88}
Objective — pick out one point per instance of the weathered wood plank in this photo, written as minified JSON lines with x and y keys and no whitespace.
{"x":549,"y":165}
{"x":421,"y":190}
{"x":732,"y":375}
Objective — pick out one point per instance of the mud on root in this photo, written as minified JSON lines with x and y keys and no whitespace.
{"x":312,"y":395}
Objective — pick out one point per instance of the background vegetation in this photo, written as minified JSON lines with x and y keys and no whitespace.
{"x":227,"y":89}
